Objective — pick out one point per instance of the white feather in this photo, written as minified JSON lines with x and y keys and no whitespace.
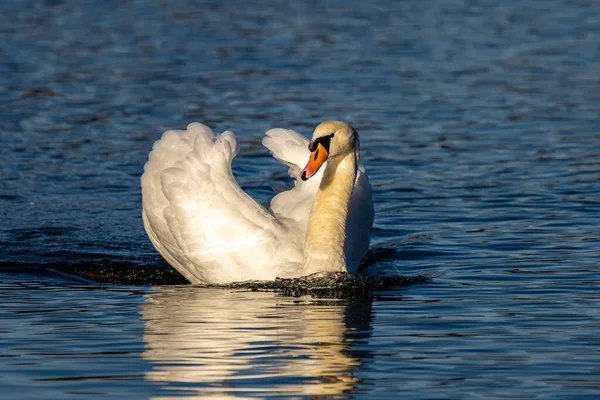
{"x":208,"y":228}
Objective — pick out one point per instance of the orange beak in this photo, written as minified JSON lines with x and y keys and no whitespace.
{"x":317,"y":158}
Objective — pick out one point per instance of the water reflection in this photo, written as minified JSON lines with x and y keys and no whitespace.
{"x":218,"y":342}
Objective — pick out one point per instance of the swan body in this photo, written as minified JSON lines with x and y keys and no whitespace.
{"x":201,"y":221}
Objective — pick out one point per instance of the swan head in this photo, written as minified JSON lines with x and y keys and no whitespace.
{"x":330,"y":139}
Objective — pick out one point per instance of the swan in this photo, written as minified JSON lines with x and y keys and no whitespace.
{"x":204,"y":225}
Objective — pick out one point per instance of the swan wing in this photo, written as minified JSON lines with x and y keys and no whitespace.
{"x":291,"y":149}
{"x":199,"y":218}
{"x":361,"y":215}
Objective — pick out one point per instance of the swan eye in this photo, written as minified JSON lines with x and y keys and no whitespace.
{"x":323,"y":141}
{"x":331,"y":135}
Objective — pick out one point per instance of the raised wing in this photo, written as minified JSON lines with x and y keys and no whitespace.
{"x":196,"y":214}
{"x":291,"y":149}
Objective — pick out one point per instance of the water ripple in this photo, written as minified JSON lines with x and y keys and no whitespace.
{"x":479,"y":130}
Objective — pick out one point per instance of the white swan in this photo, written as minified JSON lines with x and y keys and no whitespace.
{"x":211,"y":231}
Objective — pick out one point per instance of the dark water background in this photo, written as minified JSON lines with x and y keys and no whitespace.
{"x":479,"y":125}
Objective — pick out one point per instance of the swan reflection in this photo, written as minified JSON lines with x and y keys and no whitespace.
{"x":218,"y":342}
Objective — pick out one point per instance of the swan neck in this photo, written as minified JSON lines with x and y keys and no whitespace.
{"x":326,"y":234}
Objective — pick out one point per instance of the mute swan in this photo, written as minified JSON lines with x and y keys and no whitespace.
{"x":211,"y":231}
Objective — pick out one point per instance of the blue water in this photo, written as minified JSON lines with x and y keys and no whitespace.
{"x":480,"y":130}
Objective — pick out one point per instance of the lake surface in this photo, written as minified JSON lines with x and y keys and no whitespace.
{"x":480,"y":131}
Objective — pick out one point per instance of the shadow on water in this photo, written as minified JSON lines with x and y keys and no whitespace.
{"x":217,"y":343}
{"x":320,"y":285}
{"x":330,"y":284}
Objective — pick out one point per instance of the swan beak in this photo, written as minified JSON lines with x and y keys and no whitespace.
{"x":317,"y":158}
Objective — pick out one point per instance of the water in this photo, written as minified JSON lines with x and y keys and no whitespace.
{"x":480,"y":132}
